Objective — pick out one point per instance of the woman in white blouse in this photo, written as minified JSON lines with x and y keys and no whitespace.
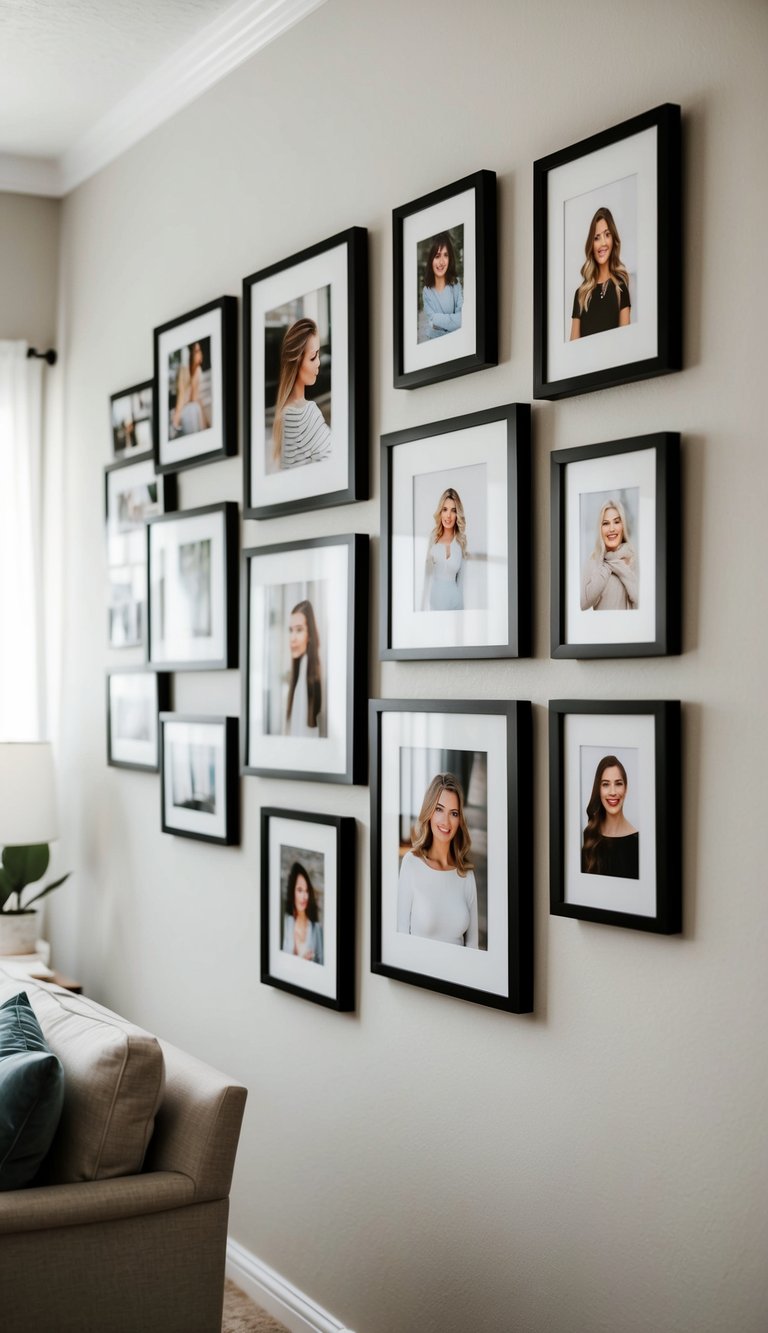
{"x":447,"y":552}
{"x":436,"y":892}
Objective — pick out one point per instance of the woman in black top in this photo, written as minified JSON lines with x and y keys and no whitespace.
{"x":602,"y":301}
{"x":611,"y":845}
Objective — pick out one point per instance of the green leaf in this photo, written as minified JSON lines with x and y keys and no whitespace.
{"x":6,"y":887}
{"x":48,"y":889}
{"x":26,"y":864}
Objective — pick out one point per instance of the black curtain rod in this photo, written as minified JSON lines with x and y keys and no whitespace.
{"x":49,"y":356}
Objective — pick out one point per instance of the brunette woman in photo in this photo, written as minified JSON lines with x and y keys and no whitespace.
{"x":602,"y":301}
{"x":302,"y":932}
{"x":441,"y":295}
{"x":305,"y":695}
{"x":611,"y":845}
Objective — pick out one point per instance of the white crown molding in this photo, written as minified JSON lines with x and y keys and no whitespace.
{"x":230,"y":39}
{"x":277,"y":1295}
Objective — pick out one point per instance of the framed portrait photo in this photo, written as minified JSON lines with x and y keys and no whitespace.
{"x":451,"y":878}
{"x":305,"y":359}
{"x":308,"y":905}
{"x":455,"y":537}
{"x":135,"y":698}
{"x":445,"y":295}
{"x":305,"y":614}
{"x":616,"y":813}
{"x":133,"y":494}
{"x":196,"y":386}
{"x":608,"y":258}
{"x":131,"y":413}
{"x":200,"y":796}
{"x":616,"y":570}
{"x":193,"y":589}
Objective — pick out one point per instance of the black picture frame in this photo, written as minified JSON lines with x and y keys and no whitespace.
{"x":194,"y":818}
{"x":275,"y":580}
{"x":329,"y":276}
{"x":562,"y":199}
{"x":650,"y":898}
{"x":648,"y":468}
{"x":414,"y":368}
{"x":501,"y":730}
{"x":131,"y":415}
{"x":214,"y":328}
{"x":133,"y":493}
{"x":142,"y":706}
{"x":211,"y":623}
{"x":497,"y":441}
{"x":320,"y":838}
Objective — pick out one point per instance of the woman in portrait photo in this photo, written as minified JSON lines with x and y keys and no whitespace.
{"x":441,"y":295}
{"x":609,"y":576}
{"x":305,"y":694}
{"x":189,"y":415}
{"x":300,"y":434}
{"x":436,"y":891}
{"x":302,"y":932}
{"x":602,"y":301}
{"x":446,"y":555}
{"x":611,"y":845}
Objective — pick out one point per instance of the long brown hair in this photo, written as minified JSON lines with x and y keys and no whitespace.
{"x":290,"y":896}
{"x":589,"y":269}
{"x":314,"y":688}
{"x":421,"y":837}
{"x":596,"y":814}
{"x":451,"y":276}
{"x":291,"y":356}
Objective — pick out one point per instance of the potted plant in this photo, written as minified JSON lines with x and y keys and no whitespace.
{"x":20,"y":867}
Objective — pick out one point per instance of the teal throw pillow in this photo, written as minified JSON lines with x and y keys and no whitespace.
{"x":31,"y":1093}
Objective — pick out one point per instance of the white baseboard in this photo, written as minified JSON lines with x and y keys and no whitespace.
{"x":277,"y":1295}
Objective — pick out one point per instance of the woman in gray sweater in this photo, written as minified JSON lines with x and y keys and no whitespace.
{"x":609,"y":577}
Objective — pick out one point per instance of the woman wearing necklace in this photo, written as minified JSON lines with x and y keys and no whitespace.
{"x":611,"y":845}
{"x":447,"y":552}
{"x":302,"y":932}
{"x":436,"y":891}
{"x":602,"y":301}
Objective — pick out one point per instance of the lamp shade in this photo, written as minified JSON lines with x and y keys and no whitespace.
{"x":28,"y":810}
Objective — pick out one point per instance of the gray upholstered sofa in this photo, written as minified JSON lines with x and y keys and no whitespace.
{"x":128,"y":1232}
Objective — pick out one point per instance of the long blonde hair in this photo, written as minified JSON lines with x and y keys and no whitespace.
{"x":599,"y":551}
{"x":461,"y":522}
{"x":421,"y":837}
{"x":291,"y":356}
{"x":589,"y":269}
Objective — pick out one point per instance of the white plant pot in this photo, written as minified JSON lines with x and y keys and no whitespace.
{"x":18,"y":932}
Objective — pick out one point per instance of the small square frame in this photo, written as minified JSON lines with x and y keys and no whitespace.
{"x":649,"y":732}
{"x":650,"y":466}
{"x":331,"y":837}
{"x":220,"y":825}
{"x":419,"y":358}
{"x":132,"y":416}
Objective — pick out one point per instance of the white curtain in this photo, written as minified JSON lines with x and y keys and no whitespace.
{"x":22,"y":683}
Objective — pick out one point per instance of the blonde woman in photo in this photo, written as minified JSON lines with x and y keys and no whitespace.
{"x":609,"y":576}
{"x":299,"y":434}
{"x":602,"y":301}
{"x":436,"y":891}
{"x":189,"y":415}
{"x":446,"y":556}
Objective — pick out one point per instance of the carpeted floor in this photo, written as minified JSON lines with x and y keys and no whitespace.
{"x":242,"y":1316}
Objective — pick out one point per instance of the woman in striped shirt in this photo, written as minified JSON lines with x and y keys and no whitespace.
{"x":300,"y":434}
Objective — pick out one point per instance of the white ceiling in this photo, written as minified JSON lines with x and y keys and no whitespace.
{"x":81,"y":80}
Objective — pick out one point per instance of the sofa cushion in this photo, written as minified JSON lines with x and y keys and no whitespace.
{"x":114,"y":1078}
{"x":31,"y":1093}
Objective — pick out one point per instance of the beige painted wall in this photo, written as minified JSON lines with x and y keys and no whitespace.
{"x":29,"y":252}
{"x":426,"y":1164}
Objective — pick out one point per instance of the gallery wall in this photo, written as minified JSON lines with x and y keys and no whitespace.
{"x":425,"y":1163}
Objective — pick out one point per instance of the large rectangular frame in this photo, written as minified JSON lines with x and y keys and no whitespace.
{"x":516,"y":745}
{"x":355,"y":659}
{"x":667,"y":813}
{"x":517,"y":417}
{"x":663,"y":242}
{"x":219,"y":319}
{"x":227,"y":589}
{"x":665,"y":639}
{"x":482,"y":285}
{"x":353,"y":358}
{"x":342,"y":991}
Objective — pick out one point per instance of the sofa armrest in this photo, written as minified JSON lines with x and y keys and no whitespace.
{"x":197,"y":1125}
{"x":48,"y":1206}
